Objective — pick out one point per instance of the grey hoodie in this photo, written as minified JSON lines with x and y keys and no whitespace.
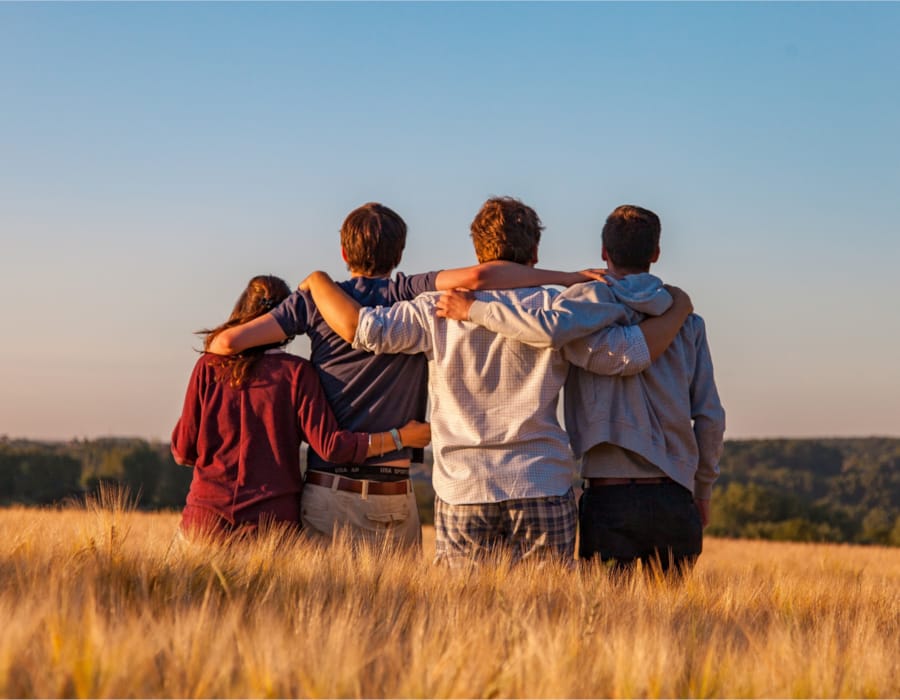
{"x":669,"y":414}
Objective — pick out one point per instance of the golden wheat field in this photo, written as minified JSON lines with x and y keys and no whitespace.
{"x":99,"y":602}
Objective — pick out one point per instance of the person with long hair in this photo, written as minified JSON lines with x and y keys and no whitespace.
{"x":244,"y":419}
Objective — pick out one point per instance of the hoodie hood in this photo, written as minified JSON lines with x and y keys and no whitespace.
{"x":642,"y":292}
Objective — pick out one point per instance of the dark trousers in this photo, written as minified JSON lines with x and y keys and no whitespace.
{"x":657,"y":524}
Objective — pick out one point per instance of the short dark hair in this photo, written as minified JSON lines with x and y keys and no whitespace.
{"x":373,"y":237}
{"x":506,"y":229}
{"x":631,"y":236}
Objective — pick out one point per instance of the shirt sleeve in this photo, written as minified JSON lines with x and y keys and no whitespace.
{"x":402,"y":328}
{"x":320,"y":427}
{"x":293,"y":313}
{"x":708,"y":415}
{"x":406,"y":288}
{"x":578,"y":312}
{"x":618,"y":350}
{"x":187,"y":430}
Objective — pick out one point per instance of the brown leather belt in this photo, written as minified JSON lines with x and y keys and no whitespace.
{"x":376,"y":488}
{"x":624,"y":481}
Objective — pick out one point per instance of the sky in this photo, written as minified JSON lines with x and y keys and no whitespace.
{"x":155,"y":156}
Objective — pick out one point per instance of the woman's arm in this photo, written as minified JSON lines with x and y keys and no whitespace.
{"x":413,"y":434}
{"x":187,"y":430}
{"x":320,"y":428}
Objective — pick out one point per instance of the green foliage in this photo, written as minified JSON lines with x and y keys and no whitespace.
{"x":836,"y":490}
{"x":38,"y":473}
{"x":32,"y":475}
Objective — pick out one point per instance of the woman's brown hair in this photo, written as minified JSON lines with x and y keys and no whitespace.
{"x":263,"y":293}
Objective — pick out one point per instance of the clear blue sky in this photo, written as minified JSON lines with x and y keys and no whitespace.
{"x":153,"y":157}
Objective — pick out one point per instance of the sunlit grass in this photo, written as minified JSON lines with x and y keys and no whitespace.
{"x":104,"y":602}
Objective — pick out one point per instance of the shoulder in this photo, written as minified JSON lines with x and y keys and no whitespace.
{"x":297,"y":298}
{"x":529,"y":297}
{"x":695,"y":327}
{"x":206,"y":361}
{"x":285,"y":364}
{"x":294,"y":312}
{"x":404,"y":287}
{"x":696,"y":321}
{"x":423,"y":301}
{"x":283,"y":357}
{"x":589,"y":291}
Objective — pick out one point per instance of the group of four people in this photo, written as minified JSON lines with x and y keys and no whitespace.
{"x":642,"y":413}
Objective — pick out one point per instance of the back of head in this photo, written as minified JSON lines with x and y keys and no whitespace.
{"x":631,"y":237}
{"x":373,"y":237}
{"x":506,"y":229}
{"x":262,"y":294}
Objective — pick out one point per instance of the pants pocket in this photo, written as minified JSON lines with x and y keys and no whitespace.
{"x":387,"y":511}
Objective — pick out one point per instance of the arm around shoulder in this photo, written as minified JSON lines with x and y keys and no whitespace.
{"x":263,"y":330}
{"x":339,"y":309}
{"x":660,"y":331}
{"x":502,"y":274}
{"x":577,"y":313}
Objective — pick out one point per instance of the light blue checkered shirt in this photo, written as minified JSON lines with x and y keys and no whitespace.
{"x":494,"y":425}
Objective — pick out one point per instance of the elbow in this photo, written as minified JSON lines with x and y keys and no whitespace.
{"x":348,"y":333}
{"x":476,"y":279}
{"x":223,"y":344}
{"x":631,"y":369}
{"x":182,"y":459}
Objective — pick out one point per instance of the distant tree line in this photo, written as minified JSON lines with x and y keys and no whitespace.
{"x":43,"y":473}
{"x":835,"y":490}
{"x":829,"y":490}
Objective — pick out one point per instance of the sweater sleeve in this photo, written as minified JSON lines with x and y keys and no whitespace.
{"x":620,"y":350}
{"x":707,"y":413}
{"x":187,"y":430}
{"x":578,"y":312}
{"x":318,"y":425}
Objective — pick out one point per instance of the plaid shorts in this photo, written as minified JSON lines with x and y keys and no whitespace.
{"x":526,"y":527}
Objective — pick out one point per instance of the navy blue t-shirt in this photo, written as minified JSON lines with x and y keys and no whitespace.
{"x":368,"y":393}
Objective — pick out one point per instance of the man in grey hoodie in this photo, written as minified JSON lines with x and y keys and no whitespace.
{"x":649,"y":443}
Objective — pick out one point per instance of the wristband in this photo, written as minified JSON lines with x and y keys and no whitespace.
{"x":395,"y":434}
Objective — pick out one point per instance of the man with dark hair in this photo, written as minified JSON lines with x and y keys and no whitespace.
{"x":649,"y":443}
{"x":372,"y":239}
{"x":503,"y":469}
{"x":369,"y":393}
{"x":631,"y":237}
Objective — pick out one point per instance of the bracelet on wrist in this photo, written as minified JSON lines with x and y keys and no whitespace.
{"x":395,"y":434}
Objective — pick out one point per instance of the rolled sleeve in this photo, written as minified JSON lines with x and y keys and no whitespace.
{"x":401,"y":328}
